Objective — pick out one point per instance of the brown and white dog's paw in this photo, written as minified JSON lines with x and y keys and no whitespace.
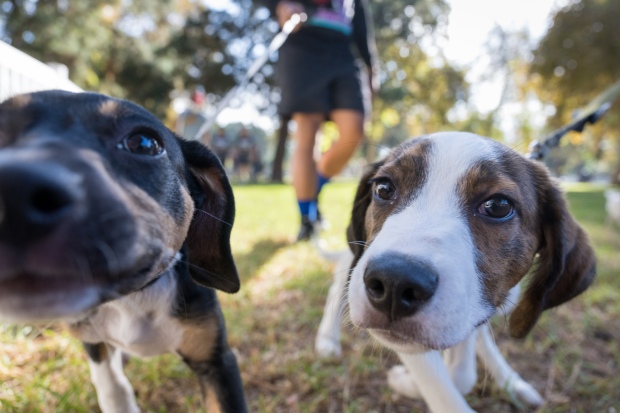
{"x":401,"y":382}
{"x":327,"y":347}
{"x":523,"y":392}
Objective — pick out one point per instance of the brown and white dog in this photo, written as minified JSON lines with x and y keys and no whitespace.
{"x":111,"y":223}
{"x":442,"y":232}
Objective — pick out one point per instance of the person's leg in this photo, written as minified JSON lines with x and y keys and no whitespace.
{"x":350,"y":125}
{"x":303,"y":168}
{"x":303,"y":165}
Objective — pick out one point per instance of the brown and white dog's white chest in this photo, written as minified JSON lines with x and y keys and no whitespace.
{"x":139,"y":324}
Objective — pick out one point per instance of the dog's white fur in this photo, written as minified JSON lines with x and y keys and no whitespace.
{"x":440,"y":382}
{"x":138,"y":324}
{"x":433,"y":219}
{"x":432,"y":227}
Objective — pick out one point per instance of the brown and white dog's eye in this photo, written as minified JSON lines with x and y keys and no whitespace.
{"x":141,"y":143}
{"x":384,"y":189}
{"x":497,"y":207}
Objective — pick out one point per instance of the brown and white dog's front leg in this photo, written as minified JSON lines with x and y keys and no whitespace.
{"x":426,"y":375}
{"x":327,"y":341}
{"x":114,"y":392}
{"x":504,"y":375}
{"x":458,"y":368}
{"x":460,"y":361}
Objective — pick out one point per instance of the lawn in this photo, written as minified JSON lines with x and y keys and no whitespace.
{"x":572,"y":357}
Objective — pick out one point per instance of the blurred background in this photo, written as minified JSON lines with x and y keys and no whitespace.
{"x":506,"y":69}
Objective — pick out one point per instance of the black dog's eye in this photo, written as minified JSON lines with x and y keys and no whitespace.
{"x":496,"y":207}
{"x":384,"y":189}
{"x":142,"y":144}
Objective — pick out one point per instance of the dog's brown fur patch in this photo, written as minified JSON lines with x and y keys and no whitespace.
{"x":13,"y":119}
{"x":406,"y":167}
{"x":108,"y":107}
{"x":199,"y":340}
{"x":504,"y":249}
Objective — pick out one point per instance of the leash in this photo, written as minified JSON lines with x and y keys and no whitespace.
{"x":590,"y":114}
{"x":275,"y":44}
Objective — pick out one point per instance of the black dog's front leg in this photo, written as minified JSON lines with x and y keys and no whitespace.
{"x":220,"y":382}
{"x":114,"y":392}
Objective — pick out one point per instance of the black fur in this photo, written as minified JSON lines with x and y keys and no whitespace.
{"x":46,"y":137}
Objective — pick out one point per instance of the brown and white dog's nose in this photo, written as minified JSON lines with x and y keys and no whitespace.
{"x":34,"y":198}
{"x":397,"y":285}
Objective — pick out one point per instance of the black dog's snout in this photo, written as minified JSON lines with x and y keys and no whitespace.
{"x":397,"y":285}
{"x":34,"y":198}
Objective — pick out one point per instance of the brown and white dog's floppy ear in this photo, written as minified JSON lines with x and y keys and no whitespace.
{"x":566,"y":264}
{"x":356,"y":231}
{"x":208,"y":238}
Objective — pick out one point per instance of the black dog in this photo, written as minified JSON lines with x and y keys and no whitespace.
{"x":112,"y":223}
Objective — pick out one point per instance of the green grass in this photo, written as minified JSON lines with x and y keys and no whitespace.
{"x":572,"y":357}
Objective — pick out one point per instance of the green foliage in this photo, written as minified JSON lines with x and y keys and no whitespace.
{"x":126,"y":49}
{"x":143,"y":49}
{"x":417,"y":90}
{"x":580,"y":54}
{"x":579,"y":58}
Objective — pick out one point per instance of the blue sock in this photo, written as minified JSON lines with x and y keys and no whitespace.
{"x":321,"y":180}
{"x":308,"y":209}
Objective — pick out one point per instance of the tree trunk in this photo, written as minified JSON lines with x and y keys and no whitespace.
{"x":278,"y":160}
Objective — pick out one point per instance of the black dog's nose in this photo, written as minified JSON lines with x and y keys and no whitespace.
{"x":34,"y":199}
{"x":397,"y":285}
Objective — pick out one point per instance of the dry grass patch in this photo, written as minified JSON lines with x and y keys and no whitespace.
{"x":572,"y":357}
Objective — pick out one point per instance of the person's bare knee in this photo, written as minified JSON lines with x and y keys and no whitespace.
{"x":350,"y":124}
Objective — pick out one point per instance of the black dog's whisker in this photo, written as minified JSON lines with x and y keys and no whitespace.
{"x":214,"y":217}
{"x":221,"y":277}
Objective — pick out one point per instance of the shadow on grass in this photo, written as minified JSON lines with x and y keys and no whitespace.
{"x":261,"y":252}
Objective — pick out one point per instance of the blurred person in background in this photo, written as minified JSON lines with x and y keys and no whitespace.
{"x":245,"y":156}
{"x":221,"y":145}
{"x":321,"y":80}
{"x":189,"y":122}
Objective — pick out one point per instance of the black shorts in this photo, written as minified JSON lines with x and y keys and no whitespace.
{"x":317,"y":78}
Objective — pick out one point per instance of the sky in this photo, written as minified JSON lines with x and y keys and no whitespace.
{"x":469,"y":24}
{"x":470,"y":21}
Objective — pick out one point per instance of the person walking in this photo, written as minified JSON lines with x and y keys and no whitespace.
{"x":245,"y":156}
{"x":321,"y":80}
{"x":189,"y":122}
{"x":221,"y":145}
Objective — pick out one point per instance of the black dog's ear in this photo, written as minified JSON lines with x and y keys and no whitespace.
{"x":356,"y":231}
{"x":208,"y":238}
{"x":566,"y":263}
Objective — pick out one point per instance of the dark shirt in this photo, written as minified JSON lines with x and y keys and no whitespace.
{"x":329,"y":21}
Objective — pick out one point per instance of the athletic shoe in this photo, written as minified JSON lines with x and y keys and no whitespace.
{"x":307,"y":230}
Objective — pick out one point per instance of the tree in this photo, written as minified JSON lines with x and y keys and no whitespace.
{"x":577,"y":59}
{"x":139,"y":49}
{"x":417,"y":90}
